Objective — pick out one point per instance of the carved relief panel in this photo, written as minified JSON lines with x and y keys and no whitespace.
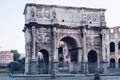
{"x":89,"y":41}
{"x":43,"y":38}
{"x":39,"y":12}
{"x":43,"y":13}
{"x":96,"y":41}
{"x":93,"y":32}
{"x":93,"y":41}
{"x":54,"y":15}
{"x":91,"y":17}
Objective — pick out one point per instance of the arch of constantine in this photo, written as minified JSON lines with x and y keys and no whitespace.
{"x":70,"y":39}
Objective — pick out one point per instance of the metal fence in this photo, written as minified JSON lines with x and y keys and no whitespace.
{"x":16,"y":68}
{"x":63,"y":68}
{"x":75,"y":68}
{"x":89,"y":68}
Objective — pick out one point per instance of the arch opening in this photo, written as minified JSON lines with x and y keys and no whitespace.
{"x":67,"y":52}
{"x":112,"y":47}
{"x":68,"y":49}
{"x":119,"y":45}
{"x":112,"y":63}
{"x":92,"y":61}
{"x":119,"y":63}
{"x":43,"y":61}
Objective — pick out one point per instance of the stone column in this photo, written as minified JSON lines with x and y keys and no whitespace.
{"x":33,"y":42}
{"x":84,"y":50}
{"x":27,"y":49}
{"x":116,"y":49}
{"x":84,"y":44}
{"x":104,"y":53}
{"x":79,"y":58}
{"x":103,"y":32}
{"x":34,"y":63}
{"x":53,"y":47}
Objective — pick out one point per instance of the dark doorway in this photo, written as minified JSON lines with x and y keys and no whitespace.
{"x":60,"y":50}
{"x":112,"y":47}
{"x":92,"y":61}
{"x":74,"y":57}
{"x":43,"y":61}
{"x":112,"y":63}
{"x":119,"y":45}
{"x":119,"y":63}
{"x":60,"y":54}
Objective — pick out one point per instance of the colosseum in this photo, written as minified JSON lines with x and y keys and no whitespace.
{"x":113,"y":46}
{"x":69,"y":40}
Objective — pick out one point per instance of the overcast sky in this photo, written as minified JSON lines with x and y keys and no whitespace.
{"x":12,"y":18}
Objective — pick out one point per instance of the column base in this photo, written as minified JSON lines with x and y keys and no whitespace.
{"x":34,"y":67}
{"x":84,"y":67}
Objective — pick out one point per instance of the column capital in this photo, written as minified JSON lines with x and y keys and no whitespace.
{"x":103,"y":32}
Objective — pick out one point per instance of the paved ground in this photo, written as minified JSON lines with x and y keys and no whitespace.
{"x":7,"y":77}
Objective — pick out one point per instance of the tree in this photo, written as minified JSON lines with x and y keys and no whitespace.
{"x":16,"y":55}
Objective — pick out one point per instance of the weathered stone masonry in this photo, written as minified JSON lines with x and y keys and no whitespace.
{"x":71,"y":36}
{"x":113,"y":47}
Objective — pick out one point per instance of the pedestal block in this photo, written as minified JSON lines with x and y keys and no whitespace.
{"x":34,"y":67}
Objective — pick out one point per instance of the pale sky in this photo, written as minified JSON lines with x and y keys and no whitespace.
{"x":12,"y":18}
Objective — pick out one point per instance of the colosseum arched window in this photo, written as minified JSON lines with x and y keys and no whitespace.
{"x":119,"y":63}
{"x":112,"y":63}
{"x":119,"y":45}
{"x":112,"y":47}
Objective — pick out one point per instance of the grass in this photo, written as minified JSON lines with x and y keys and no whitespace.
{"x":6,"y":70}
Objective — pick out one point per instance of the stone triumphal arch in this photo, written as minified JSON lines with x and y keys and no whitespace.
{"x":69,"y":38}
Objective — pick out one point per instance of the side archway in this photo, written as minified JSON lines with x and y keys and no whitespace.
{"x":43,"y":61}
{"x":92,"y":61}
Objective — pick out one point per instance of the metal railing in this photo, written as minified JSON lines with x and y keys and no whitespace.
{"x":76,"y":68}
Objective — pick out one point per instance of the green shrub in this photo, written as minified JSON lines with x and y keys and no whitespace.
{"x":16,"y":66}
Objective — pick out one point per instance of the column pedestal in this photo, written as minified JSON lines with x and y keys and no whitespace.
{"x":70,"y":67}
{"x":84,"y":67}
{"x":55,"y":63}
{"x":34,"y":67}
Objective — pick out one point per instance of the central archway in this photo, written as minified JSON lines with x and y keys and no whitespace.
{"x":71,"y":45}
{"x":92,"y":61}
{"x":68,"y":52}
